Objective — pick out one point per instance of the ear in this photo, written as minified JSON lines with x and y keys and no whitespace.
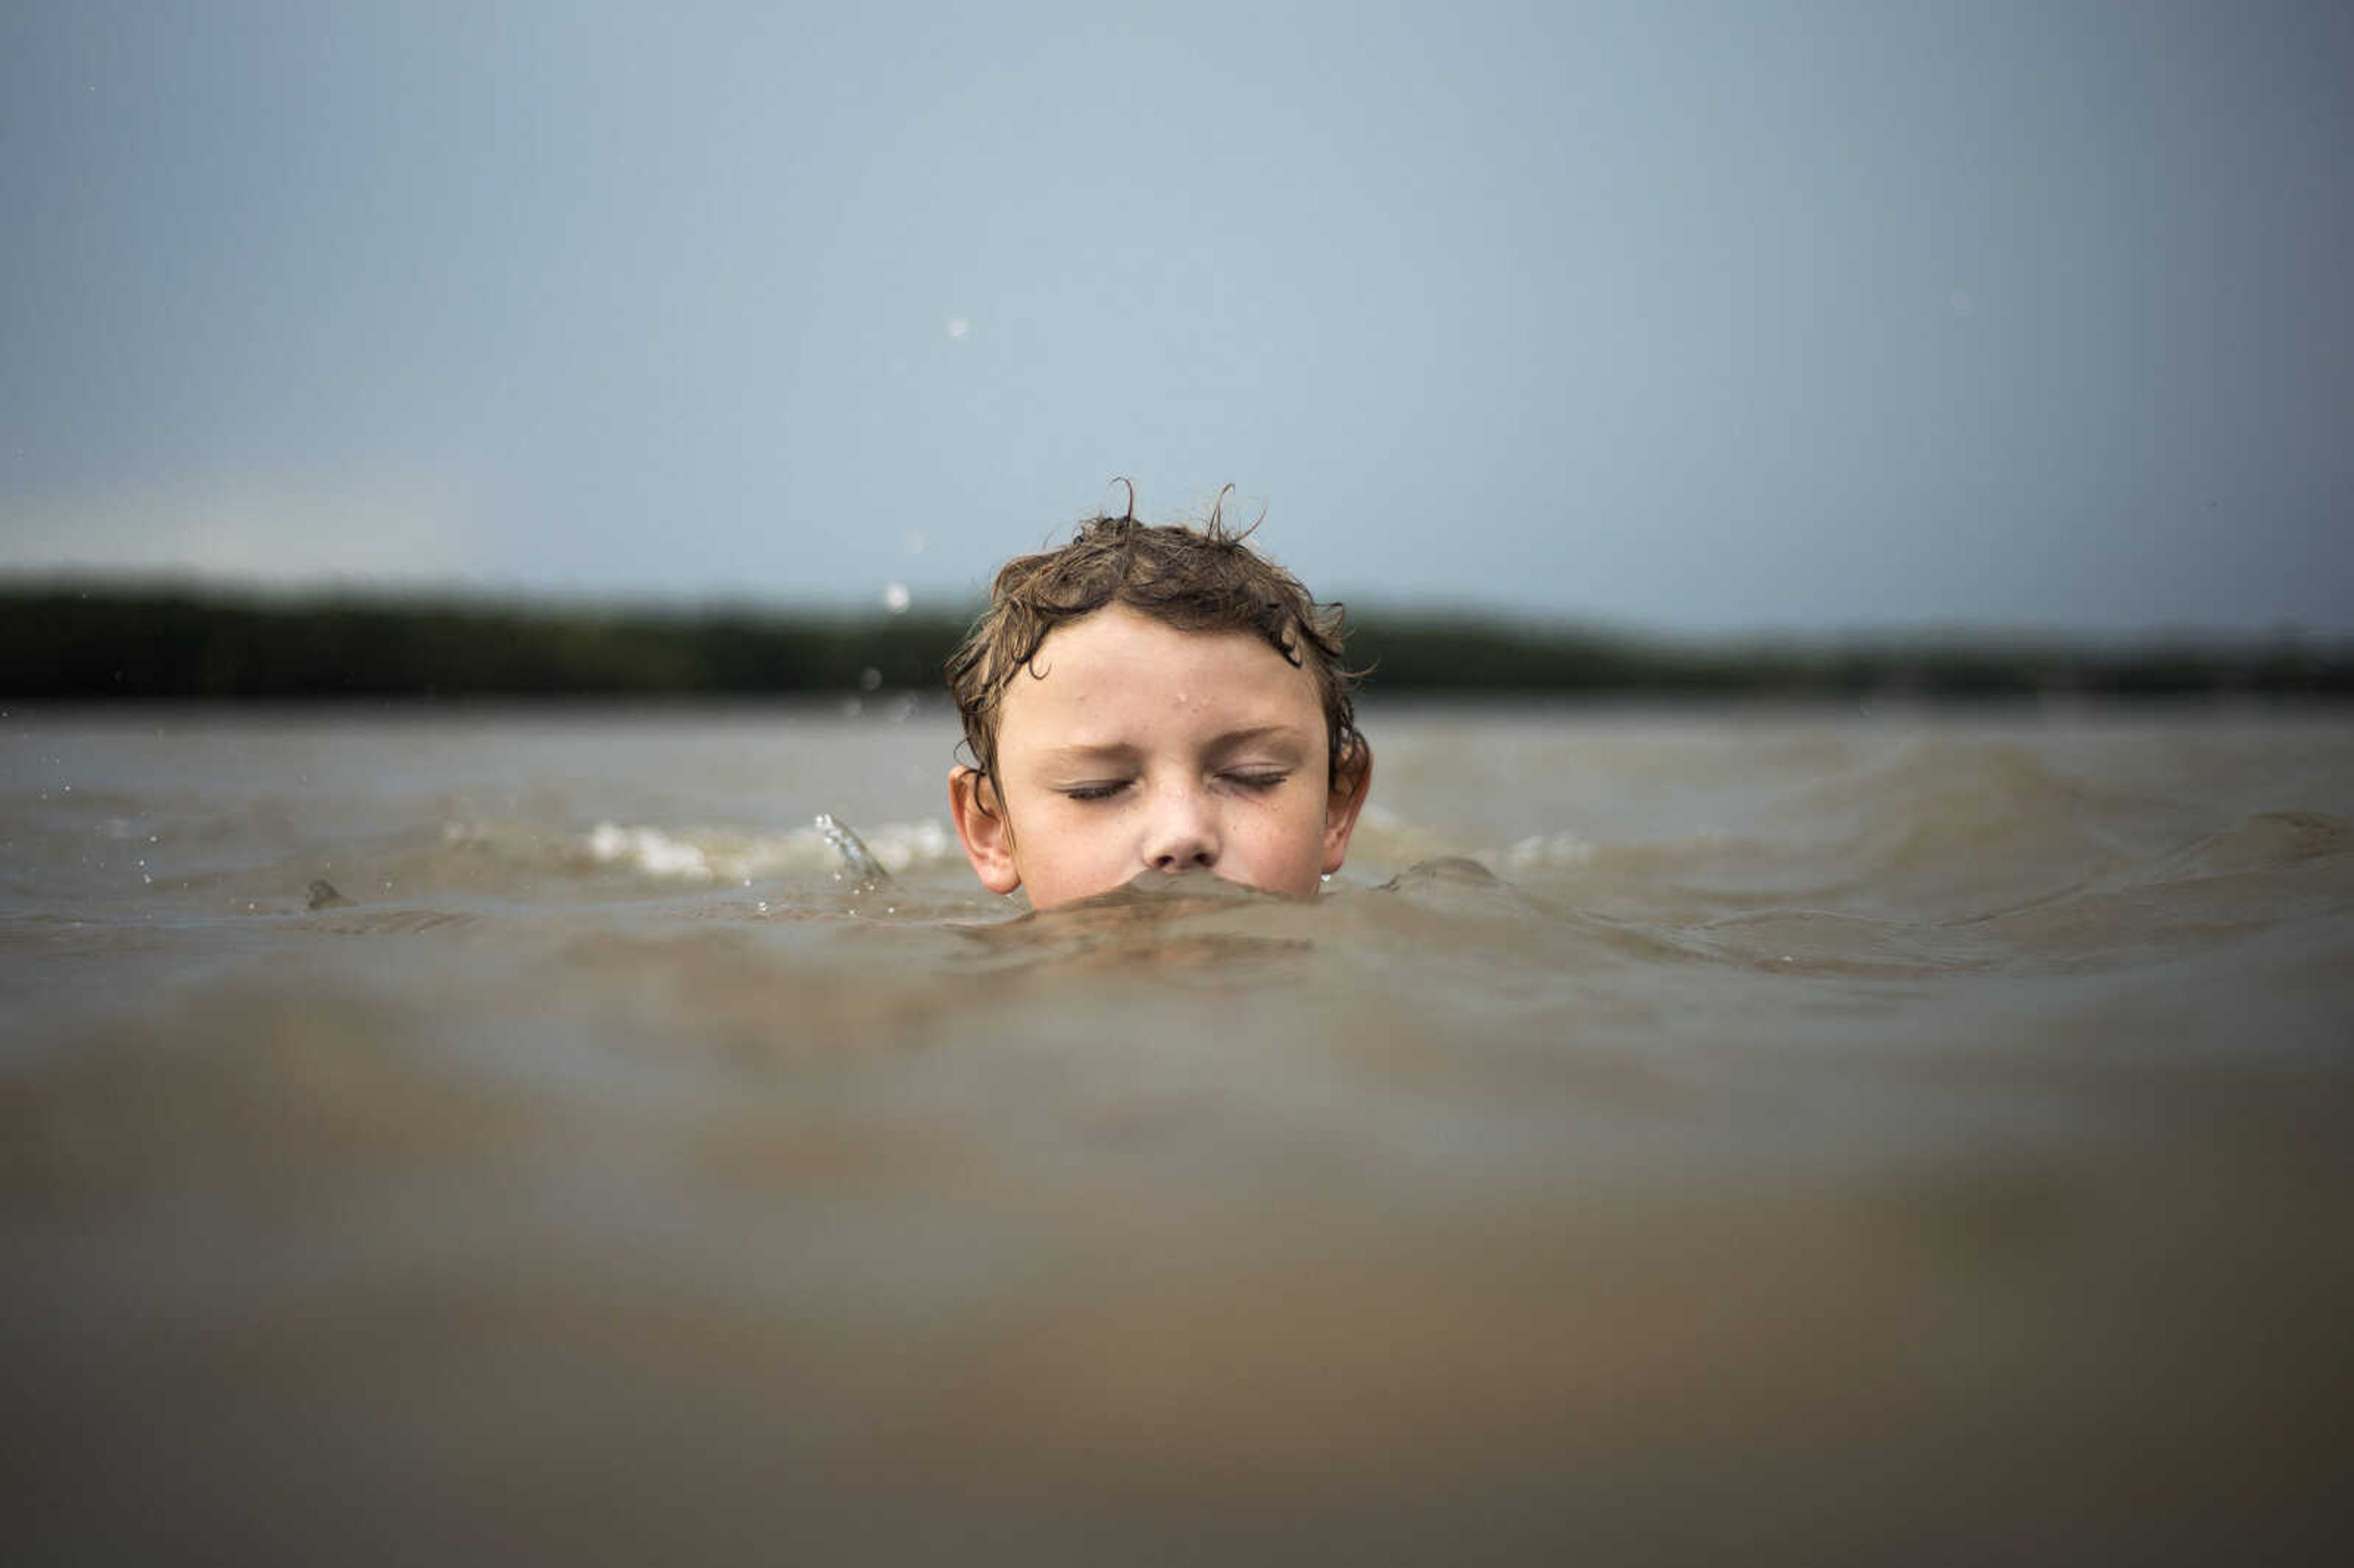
{"x":988,"y":841}
{"x":1353,"y":783}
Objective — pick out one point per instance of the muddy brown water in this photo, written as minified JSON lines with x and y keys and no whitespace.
{"x":1749,"y":1134}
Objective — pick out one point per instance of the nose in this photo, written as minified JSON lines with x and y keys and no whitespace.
{"x":1182,"y":834}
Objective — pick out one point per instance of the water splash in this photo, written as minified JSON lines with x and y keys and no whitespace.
{"x":857,"y":858}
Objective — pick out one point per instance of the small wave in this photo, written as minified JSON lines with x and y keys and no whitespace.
{"x":1817,"y":943}
{"x":1450,"y":870}
{"x":1954,"y":829}
{"x":1575,"y":852}
{"x":2269,"y":870}
{"x":1152,"y":923}
{"x":387,"y":922}
{"x":1550,"y":850}
{"x":2265,"y":842}
{"x":711,"y":854}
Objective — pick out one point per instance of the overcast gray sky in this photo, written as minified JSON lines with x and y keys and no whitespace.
{"x":1673,"y":316}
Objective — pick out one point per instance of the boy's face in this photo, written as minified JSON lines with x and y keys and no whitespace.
{"x":1136,"y":746}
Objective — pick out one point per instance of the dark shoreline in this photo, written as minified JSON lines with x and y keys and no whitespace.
{"x":75,"y":643}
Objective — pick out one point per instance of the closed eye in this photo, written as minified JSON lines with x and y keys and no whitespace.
{"x":1102,"y":792}
{"x":1256,"y":780}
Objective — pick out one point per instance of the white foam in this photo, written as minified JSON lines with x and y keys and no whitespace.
{"x":648,"y":850}
{"x":1549,"y":850}
{"x":704,"y":855}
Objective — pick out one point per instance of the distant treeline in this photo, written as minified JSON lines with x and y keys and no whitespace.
{"x":82,"y":642}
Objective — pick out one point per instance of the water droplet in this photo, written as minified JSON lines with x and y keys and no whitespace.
{"x":896,"y":599}
{"x":869,"y":678}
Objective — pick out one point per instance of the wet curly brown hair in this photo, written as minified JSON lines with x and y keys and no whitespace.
{"x":1197,"y":579}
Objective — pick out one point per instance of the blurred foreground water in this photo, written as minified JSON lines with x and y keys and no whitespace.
{"x":510,"y":1137}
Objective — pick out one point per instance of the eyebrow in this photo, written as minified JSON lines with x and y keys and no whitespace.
{"x":1122,"y":751}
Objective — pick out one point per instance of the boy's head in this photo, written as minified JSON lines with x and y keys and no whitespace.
{"x":1152,"y":698}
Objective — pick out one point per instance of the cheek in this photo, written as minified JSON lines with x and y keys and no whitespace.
{"x":1287,"y":846}
{"x":1072,"y":847}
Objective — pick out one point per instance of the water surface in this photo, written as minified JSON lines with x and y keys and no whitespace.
{"x":1812,"y":1136}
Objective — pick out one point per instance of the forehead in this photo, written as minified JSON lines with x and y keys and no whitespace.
{"x":1120,"y":669}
